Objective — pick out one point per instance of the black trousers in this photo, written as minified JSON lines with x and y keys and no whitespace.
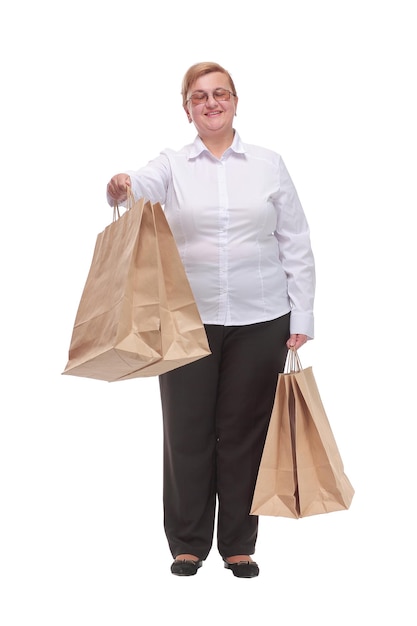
{"x":215,"y":418}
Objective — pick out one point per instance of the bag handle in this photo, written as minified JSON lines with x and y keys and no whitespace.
{"x":130,"y":201}
{"x":292,"y":363}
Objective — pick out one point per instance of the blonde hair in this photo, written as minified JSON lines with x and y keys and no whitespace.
{"x":199,"y":69}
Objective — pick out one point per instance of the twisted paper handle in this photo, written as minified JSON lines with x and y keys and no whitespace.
{"x":130,"y":200}
{"x":293,"y":363}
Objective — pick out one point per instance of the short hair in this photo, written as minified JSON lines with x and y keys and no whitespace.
{"x":200,"y":69}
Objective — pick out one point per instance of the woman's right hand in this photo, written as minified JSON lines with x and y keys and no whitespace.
{"x":118,"y":187}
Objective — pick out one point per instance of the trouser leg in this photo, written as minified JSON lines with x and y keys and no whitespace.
{"x":252,"y":357}
{"x":188,"y":396}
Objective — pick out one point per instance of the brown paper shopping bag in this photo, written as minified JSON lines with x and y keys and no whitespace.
{"x":137,"y":315}
{"x":301,"y":471}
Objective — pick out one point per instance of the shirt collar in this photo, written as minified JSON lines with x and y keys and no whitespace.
{"x":198,"y":147}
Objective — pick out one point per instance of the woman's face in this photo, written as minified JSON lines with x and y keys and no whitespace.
{"x":211,"y":116}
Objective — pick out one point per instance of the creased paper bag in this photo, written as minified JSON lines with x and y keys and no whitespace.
{"x":301,"y":471}
{"x":137,"y":315}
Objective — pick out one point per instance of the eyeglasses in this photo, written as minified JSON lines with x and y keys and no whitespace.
{"x":219,"y":94}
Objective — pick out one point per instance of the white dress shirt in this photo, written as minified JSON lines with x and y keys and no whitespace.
{"x":240,"y":230}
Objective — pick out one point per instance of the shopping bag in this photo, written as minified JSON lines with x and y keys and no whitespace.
{"x":137,"y":316}
{"x":301,"y":471}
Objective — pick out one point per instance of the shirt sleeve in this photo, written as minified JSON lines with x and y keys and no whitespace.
{"x":296,"y":255}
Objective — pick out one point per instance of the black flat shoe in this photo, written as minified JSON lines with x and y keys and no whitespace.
{"x":243,"y":569}
{"x":185,"y":567}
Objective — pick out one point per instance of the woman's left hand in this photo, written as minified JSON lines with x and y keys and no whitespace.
{"x":296,"y":341}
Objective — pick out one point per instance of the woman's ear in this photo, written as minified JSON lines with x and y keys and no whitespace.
{"x":190,"y":119}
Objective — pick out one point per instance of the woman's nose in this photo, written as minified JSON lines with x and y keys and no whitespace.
{"x":211,"y":100}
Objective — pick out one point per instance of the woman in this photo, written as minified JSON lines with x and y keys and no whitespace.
{"x":244,"y":241}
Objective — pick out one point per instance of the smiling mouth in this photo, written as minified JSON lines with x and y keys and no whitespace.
{"x":213,"y":113}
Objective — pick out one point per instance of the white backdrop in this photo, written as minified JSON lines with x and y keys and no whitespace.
{"x":90,"y":89}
